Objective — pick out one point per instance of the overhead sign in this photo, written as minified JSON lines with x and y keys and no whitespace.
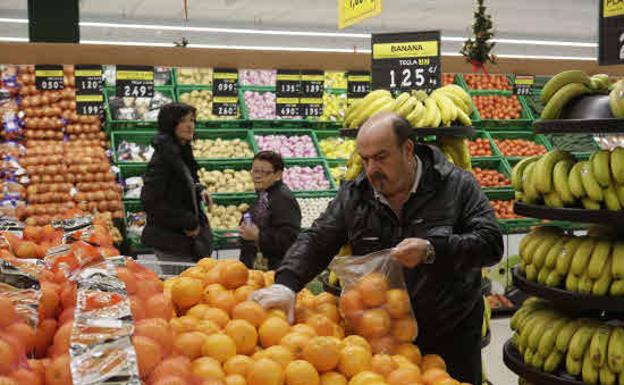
{"x":89,"y":98}
{"x":49,"y":77}
{"x":406,"y":61}
{"x":353,"y":11}
{"x":134,"y":81}
{"x":611,"y":32}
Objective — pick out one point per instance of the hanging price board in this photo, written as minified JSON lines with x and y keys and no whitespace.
{"x":358,"y":84}
{"x":225,"y":92}
{"x":134,"y":81}
{"x":49,"y":77}
{"x":312,"y":88}
{"x":523,"y":85}
{"x":287,"y":93}
{"x":406,"y":61}
{"x":354,"y":11}
{"x":611,"y":32}
{"x":89,"y":98}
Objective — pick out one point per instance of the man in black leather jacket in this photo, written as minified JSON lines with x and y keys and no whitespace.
{"x":438,"y":224}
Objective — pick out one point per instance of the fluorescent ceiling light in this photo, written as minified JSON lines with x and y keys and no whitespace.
{"x":13,"y":39}
{"x":546,"y":57}
{"x":14,"y":21}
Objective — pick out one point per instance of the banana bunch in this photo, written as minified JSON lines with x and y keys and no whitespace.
{"x":456,"y":151}
{"x":548,"y":340}
{"x":443,"y":107}
{"x":557,"y":180}
{"x":591,"y":264}
{"x":568,"y":85}
{"x":616,"y":100}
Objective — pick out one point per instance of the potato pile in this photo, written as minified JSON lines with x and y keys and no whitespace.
{"x":200,"y":99}
{"x":226,"y":181}
{"x":221,"y":149}
{"x":226,"y":217}
{"x":202,"y":76}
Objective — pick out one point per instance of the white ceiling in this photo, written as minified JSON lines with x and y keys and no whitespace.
{"x":560,"y":20}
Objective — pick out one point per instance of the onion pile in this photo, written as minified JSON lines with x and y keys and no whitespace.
{"x":260,"y":105}
{"x":257,"y":77}
{"x":296,"y":146}
{"x":299,"y":178}
{"x":226,"y":181}
{"x":311,"y":208}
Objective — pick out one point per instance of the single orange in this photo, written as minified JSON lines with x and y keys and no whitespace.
{"x":383,"y":364}
{"x":198,"y":310}
{"x":207,"y":263}
{"x":404,"y":376}
{"x":218,"y":316}
{"x":219,"y":346}
{"x":256,"y":279}
{"x":372,"y":288}
{"x":333,"y":378}
{"x":250,"y":311}
{"x":321,"y":324}
{"x":397,"y":303}
{"x":24,"y":377}
{"x":223,"y":300}
{"x":272,"y":330}
{"x":234,"y":275}
{"x":24,"y":333}
{"x":354,"y":339}
{"x":242,"y":293}
{"x":265,"y":372}
{"x":235,"y":379}
{"x":8,"y":357}
{"x":158,"y":330}
{"x":323,"y":353}
{"x":186,"y":292}
{"x":404,"y":329}
{"x":301,"y":372}
{"x":296,"y":342}
{"x":304,"y":329}
{"x":190,"y":344}
{"x":244,"y":335}
{"x":326,"y":297}
{"x":409,"y":351}
{"x":183,"y":324}
{"x":58,"y":371}
{"x":279,"y":354}
{"x":207,"y":367}
{"x":329,"y":310}
{"x":367,"y":377}
{"x":239,"y":364}
{"x":433,"y":375}
{"x":432,"y":361}
{"x":374,"y":323}
{"x":354,"y":359}
{"x":178,"y":366}
{"x":207,"y":327}
{"x":148,"y":354}
{"x":384,"y":345}
{"x":351,"y":303}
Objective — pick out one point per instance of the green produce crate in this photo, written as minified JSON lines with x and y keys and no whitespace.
{"x":138,"y":137}
{"x":511,"y":226}
{"x":244,"y":135}
{"x":229,"y":238}
{"x":216,"y":122}
{"x":326,"y":134}
{"x":133,"y":243}
{"x":288,"y":133}
{"x":580,"y":145}
{"x":279,"y":123}
{"x":220,"y":165}
{"x":498,"y":164}
{"x":537,"y":138}
{"x":493,"y":148}
{"x":129,"y":125}
{"x":461,"y":81}
{"x":525,"y":121}
{"x":312,"y":163}
{"x":127,"y":170}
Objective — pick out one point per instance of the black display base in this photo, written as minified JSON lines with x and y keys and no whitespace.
{"x":603,"y":306}
{"x":612,"y":218}
{"x":579,"y":126}
{"x":460,"y":131}
{"x":513,"y":360}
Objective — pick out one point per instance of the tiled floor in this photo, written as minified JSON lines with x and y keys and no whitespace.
{"x":496,"y":371}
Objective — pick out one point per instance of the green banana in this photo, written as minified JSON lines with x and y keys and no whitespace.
{"x":566,"y":334}
{"x":357,"y":108}
{"x":598,"y":346}
{"x":616,"y":100}
{"x":617,"y":267}
{"x":420,"y":95}
{"x":381,"y":104}
{"x":518,"y":170}
{"x":531,"y":195}
{"x":446,"y":106}
{"x":528,"y":356}
{"x":617,"y":164}
{"x":572,"y":282}
{"x":621,"y":378}
{"x":553,"y":253}
{"x":589,"y":373}
{"x":617,"y":288}
{"x":552,"y":199}
{"x":580,"y":340}
{"x":600,"y":167}
{"x":547,"y":342}
{"x":463,"y":118}
{"x":537,"y":361}
{"x":531,"y":272}
{"x":401,"y":100}
{"x":525,"y":241}
{"x":564,"y":259}
{"x":591,"y":186}
{"x":462,"y":94}
{"x":563,"y":96}
{"x":573,"y":366}
{"x":615,"y":351}
{"x":407,"y":107}
{"x":582,"y":256}
{"x":611,"y":199}
{"x":437,"y":117}
{"x":598,"y":259}
{"x":527,"y":329}
{"x":416,"y":114}
{"x":607,"y":377}
{"x":561,"y":172}
{"x":524,"y":311}
{"x":590,"y":204}
{"x":554,"y":279}
{"x":543,"y":173}
{"x":575,"y":182}
{"x":586,"y":284}
{"x":619,"y":189}
{"x":539,"y":328}
{"x":560,"y":80}
{"x":539,"y":256}
{"x":429,"y":114}
{"x":553,"y":360}
{"x":603,"y":282}
{"x":542,"y":276}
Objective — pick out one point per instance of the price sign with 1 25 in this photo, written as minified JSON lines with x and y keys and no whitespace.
{"x":89,"y":99}
{"x":49,"y":77}
{"x":287,"y":93}
{"x":134,"y":81}
{"x":406,"y":61}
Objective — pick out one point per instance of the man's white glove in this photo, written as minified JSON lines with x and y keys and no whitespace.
{"x":277,"y":297}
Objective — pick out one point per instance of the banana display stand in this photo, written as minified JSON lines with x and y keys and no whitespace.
{"x":572,"y":330}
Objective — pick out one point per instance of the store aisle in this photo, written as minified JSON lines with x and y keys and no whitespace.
{"x":497,"y":372}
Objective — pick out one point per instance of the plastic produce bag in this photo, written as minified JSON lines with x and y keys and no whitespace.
{"x":374,"y":301}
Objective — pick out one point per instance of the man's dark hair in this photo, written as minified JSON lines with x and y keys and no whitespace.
{"x":402,"y":130}
{"x":171,"y":114}
{"x":272,"y":157}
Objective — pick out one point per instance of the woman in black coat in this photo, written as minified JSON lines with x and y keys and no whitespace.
{"x":275,"y":216}
{"x":177,"y":228}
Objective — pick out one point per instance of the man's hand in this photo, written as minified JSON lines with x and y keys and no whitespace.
{"x":249,"y":232}
{"x":277,"y":297}
{"x":192,"y":233}
{"x":207,"y":199}
{"x":410,"y":252}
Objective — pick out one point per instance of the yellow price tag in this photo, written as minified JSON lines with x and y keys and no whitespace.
{"x":613,"y":8}
{"x":353,"y":11}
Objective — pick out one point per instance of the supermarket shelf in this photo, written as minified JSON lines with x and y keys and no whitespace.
{"x":441,"y":131}
{"x":513,"y":360}
{"x":612,"y":218}
{"x":579,"y":126}
{"x":568,"y":300}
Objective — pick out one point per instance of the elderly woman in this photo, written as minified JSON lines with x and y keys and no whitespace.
{"x":177,"y":227}
{"x":274,"y":220}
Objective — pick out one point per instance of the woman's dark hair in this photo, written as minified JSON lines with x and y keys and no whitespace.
{"x":272,"y":157}
{"x":171,"y":114}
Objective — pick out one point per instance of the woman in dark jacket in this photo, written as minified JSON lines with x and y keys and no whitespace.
{"x":177,"y":228}
{"x":275,"y":216}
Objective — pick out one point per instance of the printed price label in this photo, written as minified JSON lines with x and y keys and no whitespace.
{"x":406,"y":61}
{"x":134,"y":81}
{"x":358,"y":84}
{"x":49,"y":77}
{"x":89,"y":104}
{"x":225,"y":106}
{"x":225,"y":82}
{"x":523,"y":85}
{"x":287,"y":107}
{"x":311,"y":107}
{"x":89,"y":99}
{"x":287,"y":92}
